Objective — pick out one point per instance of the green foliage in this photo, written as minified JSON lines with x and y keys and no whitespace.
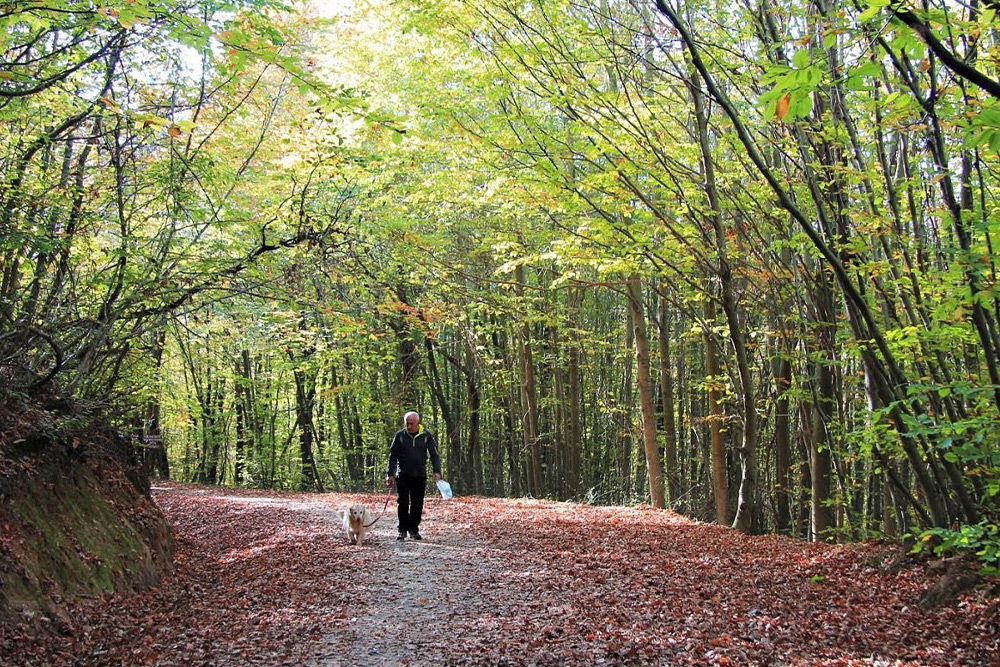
{"x":790,"y":96}
{"x":308,"y":205}
{"x":982,"y":129}
{"x":969,"y":442}
{"x":981,"y":540}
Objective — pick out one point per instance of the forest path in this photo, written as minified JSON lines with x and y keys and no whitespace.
{"x":269,"y":579}
{"x":525,"y":582}
{"x":411,"y":590}
{"x":402,"y":593}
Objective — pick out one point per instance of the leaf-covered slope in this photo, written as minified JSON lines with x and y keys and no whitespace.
{"x":74,"y":517}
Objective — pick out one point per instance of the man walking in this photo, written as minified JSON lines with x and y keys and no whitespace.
{"x":408,"y":471}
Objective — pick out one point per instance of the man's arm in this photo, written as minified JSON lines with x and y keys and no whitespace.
{"x":435,"y":459}
{"x":390,"y":470}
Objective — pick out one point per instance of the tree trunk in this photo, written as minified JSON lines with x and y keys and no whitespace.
{"x":716,"y":416}
{"x":474,"y":401}
{"x":820,"y":456}
{"x":305,"y":399}
{"x":746,"y":519}
{"x":408,"y":394}
{"x":155,"y":457}
{"x":782,"y":444}
{"x":458,"y":468}
{"x":574,"y":412}
{"x":646,"y":402}
{"x":529,"y":402}
{"x":667,"y":403}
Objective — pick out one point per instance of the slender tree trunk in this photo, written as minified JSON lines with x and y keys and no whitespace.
{"x":156,"y":460}
{"x":667,"y":399}
{"x":239,"y":461}
{"x":248,"y":430}
{"x":408,"y":394}
{"x":474,"y":401}
{"x":890,"y":527}
{"x":559,"y":431}
{"x":464,"y":465}
{"x":646,"y":401}
{"x":353,"y":455}
{"x":716,"y":415}
{"x":624,"y":442}
{"x":529,"y":402}
{"x":500,"y":438}
{"x":574,"y":412}
{"x":305,"y":395}
{"x":782,"y":445}
{"x":458,"y":468}
{"x":746,"y":519}
{"x":820,"y":455}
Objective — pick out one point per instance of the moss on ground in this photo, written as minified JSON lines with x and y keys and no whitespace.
{"x":73,"y":521}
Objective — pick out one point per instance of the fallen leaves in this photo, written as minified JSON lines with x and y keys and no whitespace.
{"x":269,"y":579}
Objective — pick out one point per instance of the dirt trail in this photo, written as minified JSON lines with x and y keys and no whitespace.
{"x":412,"y":590}
{"x":418,"y":588}
{"x":409,"y":589}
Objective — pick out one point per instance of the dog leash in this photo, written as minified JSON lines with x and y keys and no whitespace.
{"x":388,"y":497}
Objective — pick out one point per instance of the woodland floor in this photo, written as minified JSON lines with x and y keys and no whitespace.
{"x":270,"y":579}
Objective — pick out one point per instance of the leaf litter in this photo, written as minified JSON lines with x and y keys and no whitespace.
{"x":269,"y":578}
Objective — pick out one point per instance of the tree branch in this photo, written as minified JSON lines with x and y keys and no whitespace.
{"x":950,"y":60}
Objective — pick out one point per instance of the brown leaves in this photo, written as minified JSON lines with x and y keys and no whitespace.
{"x":269,"y":579}
{"x":781,"y":107}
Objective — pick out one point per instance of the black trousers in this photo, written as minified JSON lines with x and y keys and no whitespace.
{"x":411,"y":502}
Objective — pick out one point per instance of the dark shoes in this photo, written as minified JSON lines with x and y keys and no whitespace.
{"x":414,"y":535}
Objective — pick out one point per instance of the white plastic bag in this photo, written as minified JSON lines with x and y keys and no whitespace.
{"x":445,"y":488}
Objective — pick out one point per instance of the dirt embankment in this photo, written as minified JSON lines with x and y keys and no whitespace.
{"x":76,"y":518}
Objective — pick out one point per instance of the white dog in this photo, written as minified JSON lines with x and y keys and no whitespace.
{"x":357,"y":521}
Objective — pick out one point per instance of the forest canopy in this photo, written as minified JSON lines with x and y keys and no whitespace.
{"x":734,"y":259}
